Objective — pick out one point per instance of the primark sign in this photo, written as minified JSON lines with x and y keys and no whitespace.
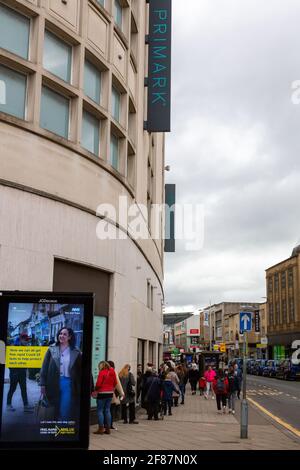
{"x":159,"y":63}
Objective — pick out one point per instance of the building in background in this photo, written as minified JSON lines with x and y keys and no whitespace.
{"x":72,"y":110}
{"x":224,"y":328}
{"x":283,"y":305}
{"x":187,"y":334}
{"x":170,"y":320}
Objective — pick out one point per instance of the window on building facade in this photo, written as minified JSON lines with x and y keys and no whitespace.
{"x":114,"y":152}
{"x":54,"y":113}
{"x":284,"y":312}
{"x":115,"y":104}
{"x":152,"y":298}
{"x":270,"y":285}
{"x":131,"y":169}
{"x":101,"y":2}
{"x":118,"y":14}
{"x":92,"y":82}
{"x":291,"y":310}
{"x":277,"y":313}
{"x":291,"y":277}
{"x":90,"y":133}
{"x":148,"y":294}
{"x":283,"y":280}
{"x":57,"y":57}
{"x":276,"y":282}
{"x":14,"y":32}
{"x":12,"y":92}
{"x":271,"y":314}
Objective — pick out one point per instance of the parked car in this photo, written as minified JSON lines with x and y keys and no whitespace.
{"x":288,"y":371}
{"x":270,"y":368}
{"x":259,"y":366}
{"x":250,"y":366}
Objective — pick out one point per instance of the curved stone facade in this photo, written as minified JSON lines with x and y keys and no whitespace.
{"x":53,"y":177}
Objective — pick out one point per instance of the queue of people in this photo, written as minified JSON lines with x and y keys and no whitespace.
{"x":159,"y":391}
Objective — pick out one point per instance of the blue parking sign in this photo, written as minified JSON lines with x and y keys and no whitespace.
{"x":245,"y":321}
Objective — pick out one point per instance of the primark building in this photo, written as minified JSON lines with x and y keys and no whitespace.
{"x":80,"y":131}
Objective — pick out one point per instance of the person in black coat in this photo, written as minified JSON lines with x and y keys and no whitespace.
{"x":193,"y":375}
{"x":152,"y":391}
{"x":144,"y":379}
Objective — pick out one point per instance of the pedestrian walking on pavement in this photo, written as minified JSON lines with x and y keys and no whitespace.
{"x":220,"y":386}
{"x":128,"y":383}
{"x":167,"y":398}
{"x":202,"y":385}
{"x":209,"y":376}
{"x":239,"y":378}
{"x":232,"y":389}
{"x":193,"y":377}
{"x":175,"y":380}
{"x":183,"y":378}
{"x":104,"y":389}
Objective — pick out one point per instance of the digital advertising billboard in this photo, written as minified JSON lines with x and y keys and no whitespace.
{"x":45,"y":370}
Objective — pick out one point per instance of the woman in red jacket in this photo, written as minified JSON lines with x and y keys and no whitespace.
{"x":105,"y":386}
{"x":220,"y":386}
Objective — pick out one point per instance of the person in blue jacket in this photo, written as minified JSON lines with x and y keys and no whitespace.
{"x":167,"y":398}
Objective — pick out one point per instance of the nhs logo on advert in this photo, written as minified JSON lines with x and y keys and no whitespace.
{"x":2,"y":352}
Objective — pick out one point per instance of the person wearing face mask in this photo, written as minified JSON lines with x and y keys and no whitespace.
{"x":60,"y":377}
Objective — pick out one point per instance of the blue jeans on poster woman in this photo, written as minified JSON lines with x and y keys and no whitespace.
{"x":103,"y":412}
{"x":65,"y":404}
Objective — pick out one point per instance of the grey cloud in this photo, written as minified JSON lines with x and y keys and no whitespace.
{"x":235,"y":145}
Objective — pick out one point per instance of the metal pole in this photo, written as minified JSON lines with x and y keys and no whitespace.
{"x":244,"y":404}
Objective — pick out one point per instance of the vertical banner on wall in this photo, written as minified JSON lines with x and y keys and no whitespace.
{"x":99,"y":348}
{"x":46,"y":376}
{"x":159,"y":66}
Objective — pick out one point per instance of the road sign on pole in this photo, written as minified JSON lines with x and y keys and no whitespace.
{"x":245,"y":321}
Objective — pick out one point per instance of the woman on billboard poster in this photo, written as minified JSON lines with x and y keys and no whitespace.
{"x":60,"y":378}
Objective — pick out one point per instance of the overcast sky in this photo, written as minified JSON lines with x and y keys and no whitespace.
{"x":234,"y":145}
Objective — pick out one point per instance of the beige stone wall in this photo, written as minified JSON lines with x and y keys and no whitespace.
{"x":50,"y":187}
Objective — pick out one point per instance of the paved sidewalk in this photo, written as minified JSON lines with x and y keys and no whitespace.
{"x":193,"y":426}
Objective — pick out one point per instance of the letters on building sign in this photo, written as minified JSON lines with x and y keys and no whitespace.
{"x":159,"y":72}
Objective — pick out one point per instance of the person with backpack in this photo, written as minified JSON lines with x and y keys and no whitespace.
{"x":220,"y":386}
